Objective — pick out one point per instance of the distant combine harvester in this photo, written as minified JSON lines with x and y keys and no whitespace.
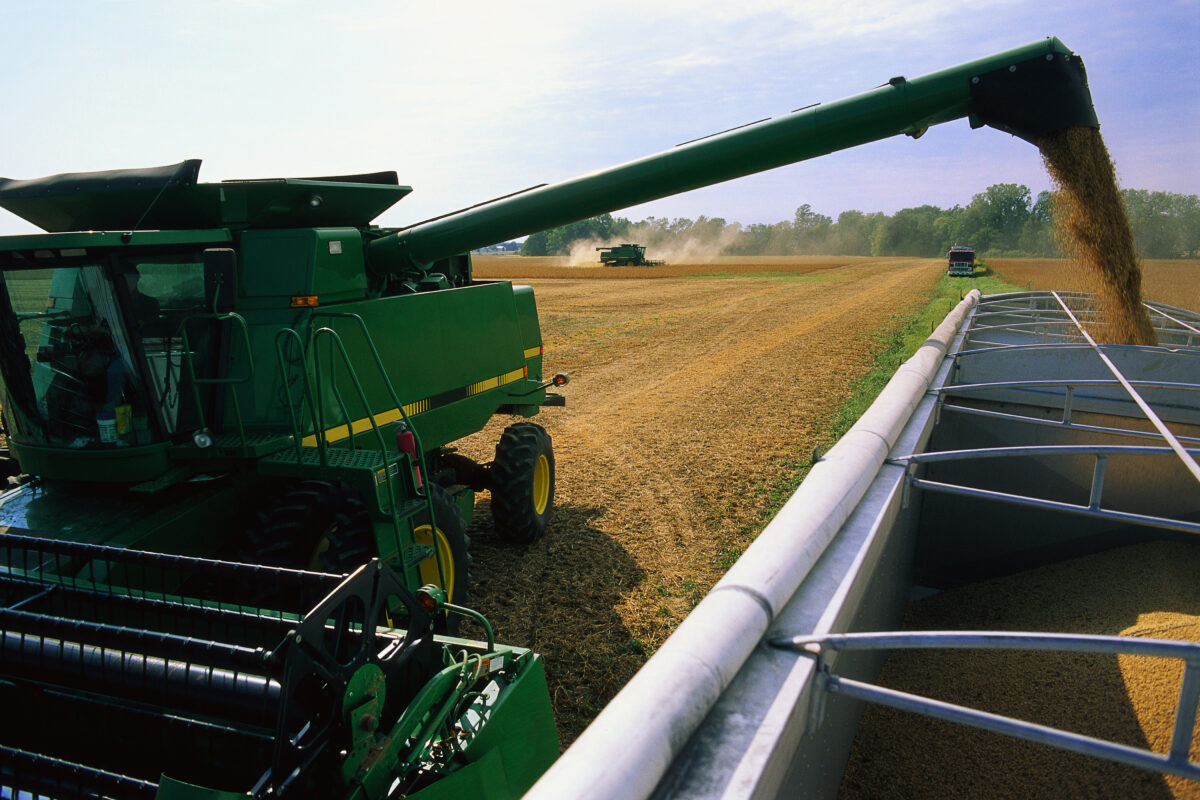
{"x":626,"y":255}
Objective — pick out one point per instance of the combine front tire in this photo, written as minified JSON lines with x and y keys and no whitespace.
{"x":315,"y":525}
{"x":452,"y":542}
{"x":449,"y":536}
{"x":522,"y":481}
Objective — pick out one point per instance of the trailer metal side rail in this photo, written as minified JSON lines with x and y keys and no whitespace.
{"x":1093,"y":508}
{"x":1192,"y":329}
{"x":1174,"y":762}
{"x":1188,"y":461}
{"x":1056,"y":347}
{"x":1039,"y":388}
{"x":1046,"y":310}
{"x":1061,"y":424}
{"x":1043,"y":332}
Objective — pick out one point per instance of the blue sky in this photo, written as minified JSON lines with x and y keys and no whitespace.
{"x":469,"y":100}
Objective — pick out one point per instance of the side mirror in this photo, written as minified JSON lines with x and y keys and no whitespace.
{"x":220,"y":279}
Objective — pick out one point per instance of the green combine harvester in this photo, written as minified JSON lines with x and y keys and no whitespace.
{"x":626,"y":255}
{"x":236,"y":554}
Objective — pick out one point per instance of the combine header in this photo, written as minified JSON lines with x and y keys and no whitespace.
{"x":227,"y":398}
{"x":132,"y":674}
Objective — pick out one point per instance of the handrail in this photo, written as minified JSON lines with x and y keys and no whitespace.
{"x":419,"y":456}
{"x":188,"y":360}
{"x":387,"y":383}
{"x":1175,"y":762}
{"x":297,"y":432}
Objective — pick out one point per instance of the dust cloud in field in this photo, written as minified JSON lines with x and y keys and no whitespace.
{"x":698,"y":248}
{"x":1093,"y":229}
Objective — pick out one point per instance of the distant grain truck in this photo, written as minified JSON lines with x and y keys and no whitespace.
{"x":961,"y":262}
{"x":626,"y":255}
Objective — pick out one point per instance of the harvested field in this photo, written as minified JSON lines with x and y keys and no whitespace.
{"x":689,"y":397}
{"x":1172,"y":281}
{"x":496,"y":266}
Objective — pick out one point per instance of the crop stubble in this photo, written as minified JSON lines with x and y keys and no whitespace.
{"x":687,"y":397}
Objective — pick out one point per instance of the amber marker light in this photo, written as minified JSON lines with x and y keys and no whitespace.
{"x":304,"y":301}
{"x":430,"y":597}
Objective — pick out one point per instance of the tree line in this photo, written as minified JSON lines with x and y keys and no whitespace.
{"x":1003,"y":221}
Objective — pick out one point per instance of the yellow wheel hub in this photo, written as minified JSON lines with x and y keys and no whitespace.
{"x":316,"y":563}
{"x":429,"y":567}
{"x":541,"y":484}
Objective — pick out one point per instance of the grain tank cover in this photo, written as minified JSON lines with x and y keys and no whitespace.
{"x":170,"y":197}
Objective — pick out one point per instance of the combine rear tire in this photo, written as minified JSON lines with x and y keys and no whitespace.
{"x":522,"y":480}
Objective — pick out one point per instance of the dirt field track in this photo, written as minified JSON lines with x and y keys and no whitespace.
{"x":687,"y":396}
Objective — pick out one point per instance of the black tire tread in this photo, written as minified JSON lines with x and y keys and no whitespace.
{"x":512,"y":482}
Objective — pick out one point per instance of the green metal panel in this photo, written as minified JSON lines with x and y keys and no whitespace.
{"x":518,"y":743}
{"x":170,"y":197}
{"x":124,"y":465}
{"x":325,"y":262}
{"x":531,"y":331}
{"x":276,"y":263}
{"x":55,"y":243}
{"x":457,"y":344}
{"x":339,"y":273}
{"x":189,"y":520}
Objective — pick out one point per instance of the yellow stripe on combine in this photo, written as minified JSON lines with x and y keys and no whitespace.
{"x":533,"y":351}
{"x":339,"y":432}
{"x":496,"y":382}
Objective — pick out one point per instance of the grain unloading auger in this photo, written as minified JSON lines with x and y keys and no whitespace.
{"x":250,"y":370}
